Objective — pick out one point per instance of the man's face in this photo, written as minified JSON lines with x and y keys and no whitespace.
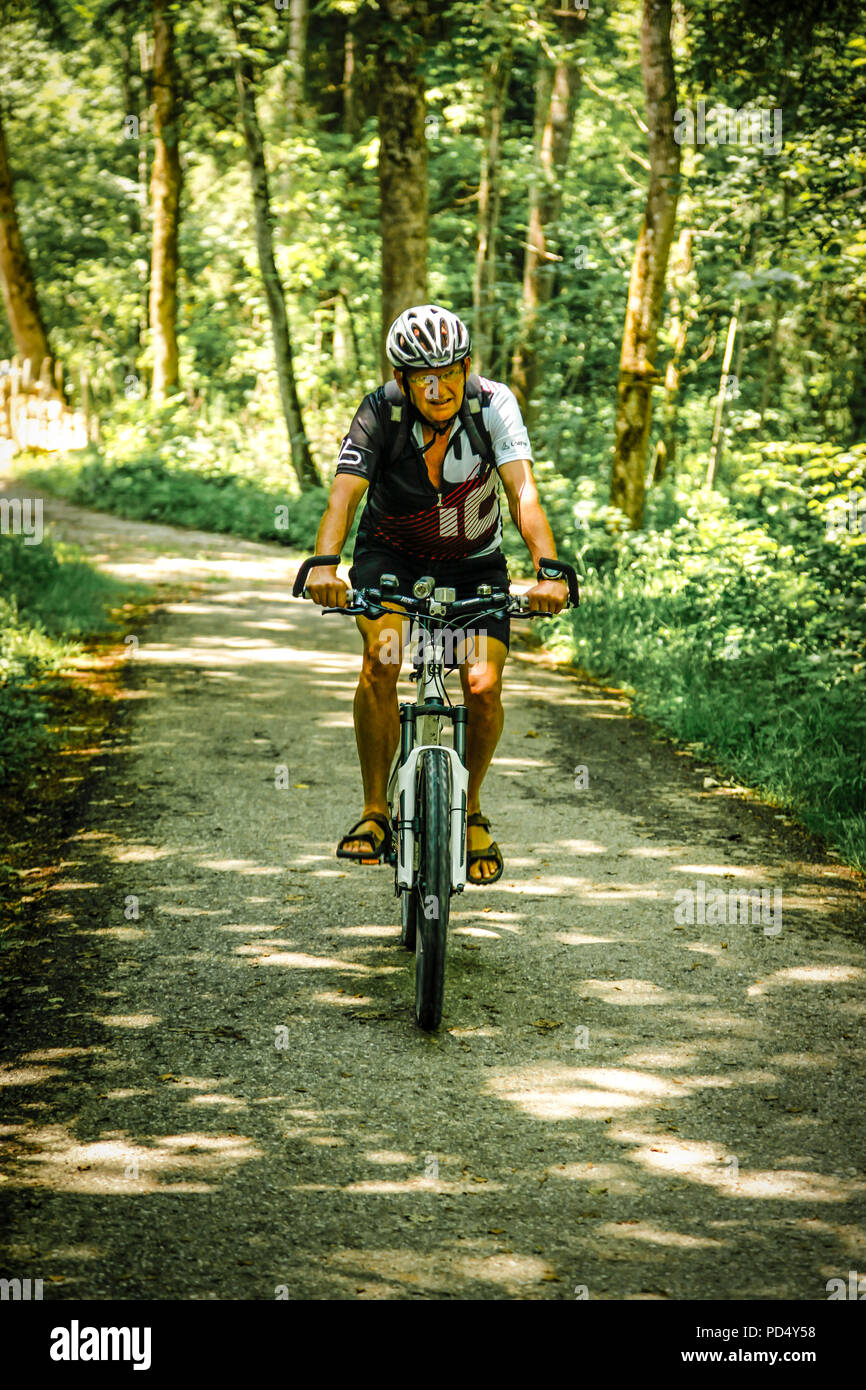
{"x":437,"y":392}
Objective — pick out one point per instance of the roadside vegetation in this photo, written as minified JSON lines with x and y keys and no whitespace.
{"x":740,"y":627}
{"x":51,"y":603}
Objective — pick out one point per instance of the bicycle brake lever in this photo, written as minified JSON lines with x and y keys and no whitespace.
{"x":363,"y":610}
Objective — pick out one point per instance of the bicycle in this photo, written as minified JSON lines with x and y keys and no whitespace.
{"x":428,"y":781}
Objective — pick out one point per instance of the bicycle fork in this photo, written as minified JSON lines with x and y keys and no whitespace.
{"x":406,"y":774}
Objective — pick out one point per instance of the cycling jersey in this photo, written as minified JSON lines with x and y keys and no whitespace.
{"x":404,"y":511}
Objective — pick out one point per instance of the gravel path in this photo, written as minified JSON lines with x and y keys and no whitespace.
{"x":216,"y":1089}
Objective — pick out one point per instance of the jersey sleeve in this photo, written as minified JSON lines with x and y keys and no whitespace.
{"x":361,"y":448}
{"x":508,"y":432}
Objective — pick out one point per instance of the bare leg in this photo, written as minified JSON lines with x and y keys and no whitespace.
{"x":482,"y":691}
{"x":377,"y":720}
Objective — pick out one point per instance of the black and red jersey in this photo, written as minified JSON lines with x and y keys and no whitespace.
{"x":404,"y":511}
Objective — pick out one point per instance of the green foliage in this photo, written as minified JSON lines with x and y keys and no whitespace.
{"x":742,"y":628}
{"x":48,"y":598}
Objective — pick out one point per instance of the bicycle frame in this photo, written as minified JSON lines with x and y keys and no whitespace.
{"x":420,"y":730}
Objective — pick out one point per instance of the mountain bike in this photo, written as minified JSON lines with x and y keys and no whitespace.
{"x":428,"y":782}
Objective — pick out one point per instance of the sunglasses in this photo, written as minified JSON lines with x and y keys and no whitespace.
{"x":450,"y":377}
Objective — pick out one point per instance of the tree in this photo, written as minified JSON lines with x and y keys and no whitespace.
{"x":402,"y":160}
{"x":351,"y":124}
{"x":497,"y":71}
{"x":298,"y":19}
{"x":556,"y":92}
{"x":681,"y":314}
{"x":16,"y":275}
{"x":165,"y":187}
{"x":637,"y":372}
{"x":245,"y":81}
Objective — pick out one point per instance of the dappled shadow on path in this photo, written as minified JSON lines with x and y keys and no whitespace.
{"x":218,"y":1090}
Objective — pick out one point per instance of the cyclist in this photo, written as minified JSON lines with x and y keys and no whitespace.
{"x":432,"y":509}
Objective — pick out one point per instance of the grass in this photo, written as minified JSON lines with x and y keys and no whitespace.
{"x":50,"y":601}
{"x":746,"y":634}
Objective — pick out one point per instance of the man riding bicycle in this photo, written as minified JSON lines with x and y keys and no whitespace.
{"x":430,"y":464}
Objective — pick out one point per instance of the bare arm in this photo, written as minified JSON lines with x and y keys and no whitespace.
{"x":530,"y":520}
{"x":346,"y":492}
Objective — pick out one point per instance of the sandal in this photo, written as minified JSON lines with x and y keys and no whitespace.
{"x":378,"y":849}
{"x":491,"y":852}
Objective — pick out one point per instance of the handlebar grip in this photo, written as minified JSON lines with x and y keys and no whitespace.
{"x":568,"y":575}
{"x":301,"y":577}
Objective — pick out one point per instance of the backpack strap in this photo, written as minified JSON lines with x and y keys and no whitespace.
{"x":473,"y":421}
{"x":399,"y":416}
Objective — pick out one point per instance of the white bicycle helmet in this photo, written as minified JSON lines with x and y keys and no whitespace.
{"x":427,"y":336}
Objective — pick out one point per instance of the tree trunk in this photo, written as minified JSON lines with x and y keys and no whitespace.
{"x":302,"y":461}
{"x":16,"y":275}
{"x":770,"y":374}
{"x":135,"y":104}
{"x":716,"y":444}
{"x":353,"y":332}
{"x":666,"y":450}
{"x":402,"y":161}
{"x":637,"y":373}
{"x":556,"y":90}
{"x":729,"y":386}
{"x":351,"y":124}
{"x":298,"y":18}
{"x":146,"y":70}
{"x":165,"y":183}
{"x":496,"y":78}
{"x":327,"y":316}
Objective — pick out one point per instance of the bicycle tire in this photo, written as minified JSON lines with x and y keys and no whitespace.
{"x":432,"y":890}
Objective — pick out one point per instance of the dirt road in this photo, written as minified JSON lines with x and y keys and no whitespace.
{"x":215,"y":1090}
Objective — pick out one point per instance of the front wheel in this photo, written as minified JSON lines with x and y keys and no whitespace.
{"x":432,"y":889}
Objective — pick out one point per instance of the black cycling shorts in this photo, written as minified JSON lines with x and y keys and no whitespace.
{"x":371,"y":562}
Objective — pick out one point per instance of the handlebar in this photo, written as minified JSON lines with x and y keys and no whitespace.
{"x":372,"y":601}
{"x":301,"y":577}
{"x":568,"y":575}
